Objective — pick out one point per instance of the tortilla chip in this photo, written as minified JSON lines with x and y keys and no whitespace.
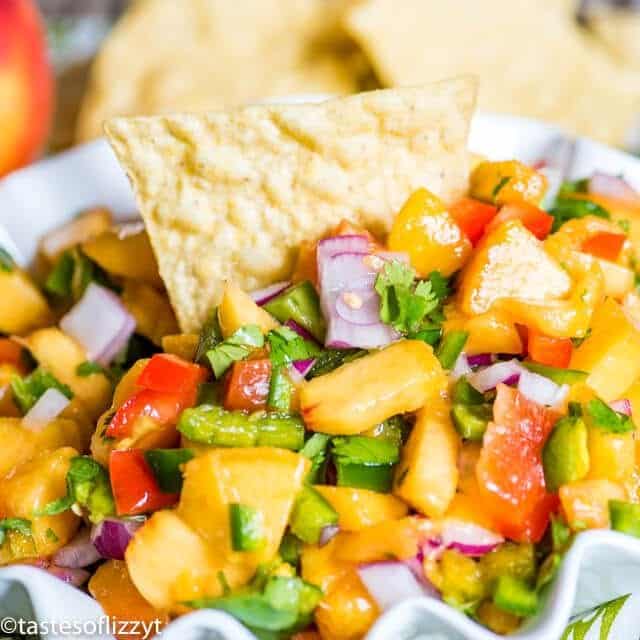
{"x":230,"y":196}
{"x":532,"y":58}
{"x":167,"y":56}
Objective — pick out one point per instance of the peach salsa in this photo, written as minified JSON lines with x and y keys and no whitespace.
{"x":436,"y":413}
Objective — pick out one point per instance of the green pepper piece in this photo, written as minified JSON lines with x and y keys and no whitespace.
{"x":394,"y":429}
{"x":514,"y":596}
{"x":280,"y":430}
{"x":216,"y":426}
{"x":600,"y":415}
{"x":465,"y":393}
{"x":557,"y":375}
{"x":290,"y":549}
{"x":247,"y":527}
{"x":301,"y":304}
{"x":462,"y":581}
{"x":565,"y":456}
{"x":330,"y":359}
{"x":471,"y":420}
{"x":451,"y":347}
{"x":625,"y":517}
{"x":517,"y":560}
{"x":311,"y":513}
{"x":165,"y":464}
{"x":365,"y":463}
{"x":363,"y":476}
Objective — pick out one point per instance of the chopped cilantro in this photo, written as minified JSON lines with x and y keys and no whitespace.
{"x":21,"y":525}
{"x":88,"y":368}
{"x":51,"y":535}
{"x":210,"y":336}
{"x":601,"y":415}
{"x":451,"y":347}
{"x":576,"y":186}
{"x":365,"y":450}
{"x":500,"y":186}
{"x":73,"y":272}
{"x":405,"y":303}
{"x":27,"y":390}
{"x":286,"y":346}
{"x":566,"y":209}
{"x":236,"y":347}
{"x":624,"y":224}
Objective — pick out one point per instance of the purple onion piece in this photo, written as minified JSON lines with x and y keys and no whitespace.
{"x":79,"y":553}
{"x":111,"y":536}
{"x":480,"y":360}
{"x":511,"y":380}
{"x":327,"y":533}
{"x":262,"y":296}
{"x":301,"y":331}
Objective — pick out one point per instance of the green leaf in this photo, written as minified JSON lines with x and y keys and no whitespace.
{"x":236,"y":347}
{"x":55,"y":507}
{"x":6,"y":261}
{"x":286,"y":346}
{"x":405,"y":303}
{"x":28,"y":389}
{"x":570,"y":187}
{"x":210,"y":336}
{"x":88,"y":368}
{"x":21,"y":525}
{"x":601,"y":415}
{"x":566,"y":209}
{"x":365,"y":450}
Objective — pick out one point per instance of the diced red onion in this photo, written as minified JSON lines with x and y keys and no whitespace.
{"x":304,"y":366}
{"x":330,"y":247}
{"x":621,"y":406}
{"x":345,"y":335}
{"x":79,"y":553}
{"x":48,"y":406}
{"x":603,"y":184}
{"x":461,"y":368}
{"x":100,"y":323}
{"x":352,"y":274}
{"x":328,"y":533}
{"x":301,"y":331}
{"x":262,"y":296}
{"x":541,"y":390}
{"x":75,"y":577}
{"x":487,"y":379}
{"x":468,"y":538}
{"x":361,"y":307}
{"x":111,"y":536}
{"x":481,"y":360}
{"x":389,"y":583}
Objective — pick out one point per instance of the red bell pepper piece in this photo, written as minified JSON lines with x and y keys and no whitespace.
{"x":509,"y":470}
{"x":554,"y":352}
{"x":606,"y":246}
{"x":171,"y":374}
{"x":472,"y":216}
{"x":163,"y":407}
{"x":539,"y":222}
{"x":135,"y":489}
{"x":247,"y":385}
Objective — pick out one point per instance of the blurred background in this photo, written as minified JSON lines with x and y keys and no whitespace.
{"x":67,"y":65}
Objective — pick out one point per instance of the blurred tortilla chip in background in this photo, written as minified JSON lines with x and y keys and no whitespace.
{"x":168,"y":55}
{"x":532,"y":58}
{"x":231,"y":195}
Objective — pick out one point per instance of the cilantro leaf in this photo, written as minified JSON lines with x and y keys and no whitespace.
{"x":21,"y":525}
{"x":405,"y":303}
{"x":576,"y":186}
{"x":499,"y":186}
{"x":210,"y":336}
{"x":28,"y":389}
{"x":566,"y":209}
{"x":601,"y":415}
{"x":88,"y":368}
{"x":286,"y":346}
{"x":236,"y":347}
{"x":365,"y":450}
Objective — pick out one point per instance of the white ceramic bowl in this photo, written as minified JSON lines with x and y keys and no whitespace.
{"x":600,"y":566}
